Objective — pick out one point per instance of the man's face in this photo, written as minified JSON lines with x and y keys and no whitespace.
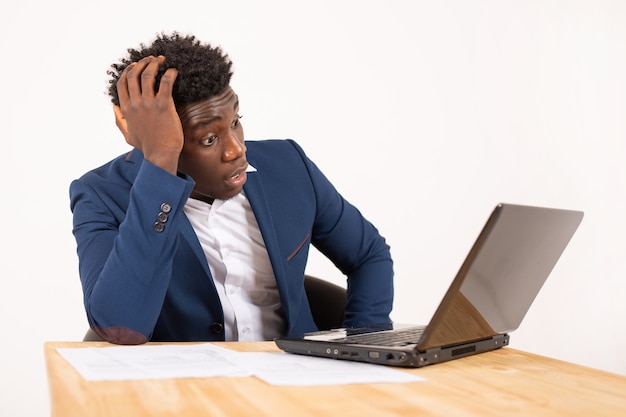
{"x":214,"y":154}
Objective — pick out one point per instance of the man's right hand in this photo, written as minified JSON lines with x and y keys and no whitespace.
{"x":149,"y":120}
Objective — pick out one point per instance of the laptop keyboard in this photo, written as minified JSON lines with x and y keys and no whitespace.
{"x":401,"y":337}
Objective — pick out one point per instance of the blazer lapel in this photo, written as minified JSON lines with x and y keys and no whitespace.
{"x":258,"y":201}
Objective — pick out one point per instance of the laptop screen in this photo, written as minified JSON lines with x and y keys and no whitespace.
{"x":503,"y":273}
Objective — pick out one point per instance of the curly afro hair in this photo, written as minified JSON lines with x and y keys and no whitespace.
{"x":204,"y":71}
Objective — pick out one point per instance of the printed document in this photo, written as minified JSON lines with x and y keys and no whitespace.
{"x":206,"y":360}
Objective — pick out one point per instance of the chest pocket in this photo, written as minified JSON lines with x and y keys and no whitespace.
{"x":303,"y":243}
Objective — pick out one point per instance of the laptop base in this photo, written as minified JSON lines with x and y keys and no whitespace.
{"x":407,"y":356}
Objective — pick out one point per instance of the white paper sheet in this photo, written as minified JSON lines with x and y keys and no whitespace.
{"x":207,"y":360}
{"x":145,"y":362}
{"x":279,"y":368}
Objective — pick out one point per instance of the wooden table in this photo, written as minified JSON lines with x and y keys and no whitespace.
{"x":502,"y":383}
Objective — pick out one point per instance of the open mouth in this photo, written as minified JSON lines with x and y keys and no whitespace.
{"x":238,"y":179}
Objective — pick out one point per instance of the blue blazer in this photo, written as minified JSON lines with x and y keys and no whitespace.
{"x":142,"y":283}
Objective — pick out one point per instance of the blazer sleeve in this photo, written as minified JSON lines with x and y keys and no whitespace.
{"x":126,"y":239}
{"x":356,"y":247}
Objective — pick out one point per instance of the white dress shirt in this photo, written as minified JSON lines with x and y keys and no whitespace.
{"x":240,"y":265}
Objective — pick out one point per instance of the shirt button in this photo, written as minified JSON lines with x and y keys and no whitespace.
{"x":217,"y":328}
{"x":159,"y":227}
{"x":166,"y":207}
{"x":162,"y":217}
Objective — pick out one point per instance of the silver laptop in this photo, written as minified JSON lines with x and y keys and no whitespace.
{"x":511,"y":259}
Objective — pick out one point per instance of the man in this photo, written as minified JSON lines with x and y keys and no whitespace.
{"x":196,"y":234}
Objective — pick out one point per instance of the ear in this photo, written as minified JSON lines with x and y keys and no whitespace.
{"x":120,"y":121}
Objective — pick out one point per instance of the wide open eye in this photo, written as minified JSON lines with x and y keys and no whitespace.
{"x":209,"y":140}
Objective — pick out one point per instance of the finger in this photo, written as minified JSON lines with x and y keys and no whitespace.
{"x":148,"y":76}
{"x":134,"y":74}
{"x":122,"y":85}
{"x":166,"y":86}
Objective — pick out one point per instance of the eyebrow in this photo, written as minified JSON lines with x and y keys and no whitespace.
{"x":217,"y":118}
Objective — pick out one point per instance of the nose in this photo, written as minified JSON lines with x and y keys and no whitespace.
{"x":234,"y":148}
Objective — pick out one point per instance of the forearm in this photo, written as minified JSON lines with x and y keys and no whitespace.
{"x":370,"y":291}
{"x":125,"y":263}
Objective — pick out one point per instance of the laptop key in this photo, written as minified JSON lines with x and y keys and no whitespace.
{"x":387,"y":338}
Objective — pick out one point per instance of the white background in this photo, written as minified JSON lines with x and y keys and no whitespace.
{"x":425,"y":114}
